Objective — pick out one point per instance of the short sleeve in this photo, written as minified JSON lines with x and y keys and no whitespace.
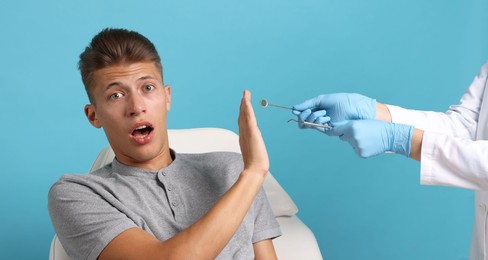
{"x":85,"y":221}
{"x":265,"y":224}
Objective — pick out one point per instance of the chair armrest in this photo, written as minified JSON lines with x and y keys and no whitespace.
{"x":57,"y":250}
{"x":297,"y":241}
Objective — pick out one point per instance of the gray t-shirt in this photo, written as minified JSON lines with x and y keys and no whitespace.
{"x":89,"y":210}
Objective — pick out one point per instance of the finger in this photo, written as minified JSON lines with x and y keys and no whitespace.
{"x":313,"y":116}
{"x":302,"y":117}
{"x":323,"y":120}
{"x":246,"y":106}
{"x":247,"y":120}
{"x":242,"y":109}
{"x":246,"y":113}
{"x":321,"y":129}
{"x":307,"y":104}
{"x":338,"y":130}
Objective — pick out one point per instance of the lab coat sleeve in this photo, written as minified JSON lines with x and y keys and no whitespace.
{"x":453,"y":161}
{"x":459,"y":120}
{"x":450,"y":154}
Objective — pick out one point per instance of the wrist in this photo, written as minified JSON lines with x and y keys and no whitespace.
{"x":402,"y":138}
{"x":368,"y":109}
{"x":382,"y":112}
{"x":416,"y":144}
{"x":253,"y":175}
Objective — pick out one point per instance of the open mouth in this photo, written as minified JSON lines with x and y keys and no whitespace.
{"x":142,"y":131}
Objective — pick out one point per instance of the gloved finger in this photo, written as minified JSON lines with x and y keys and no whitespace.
{"x":307,"y":104}
{"x":338,"y":129}
{"x":321,"y":129}
{"x":344,"y":138}
{"x":323,"y":120}
{"x":313,"y":116}
{"x":296,"y":112}
{"x":302,"y":117}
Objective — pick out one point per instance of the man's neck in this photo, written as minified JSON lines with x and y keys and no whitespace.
{"x":163,"y":160}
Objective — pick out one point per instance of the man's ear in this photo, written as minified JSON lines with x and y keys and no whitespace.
{"x":91,"y":114}
{"x":167,"y":91}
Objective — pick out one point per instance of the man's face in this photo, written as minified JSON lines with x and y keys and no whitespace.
{"x":131,"y":103}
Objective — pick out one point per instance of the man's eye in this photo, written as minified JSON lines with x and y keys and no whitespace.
{"x":148,"y":87}
{"x":116,"y":95}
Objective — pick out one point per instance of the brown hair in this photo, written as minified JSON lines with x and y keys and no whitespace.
{"x":114,"y":47}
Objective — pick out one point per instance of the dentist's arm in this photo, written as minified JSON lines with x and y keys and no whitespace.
{"x":362,"y":122}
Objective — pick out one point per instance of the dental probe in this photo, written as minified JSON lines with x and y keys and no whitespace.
{"x":310,"y":124}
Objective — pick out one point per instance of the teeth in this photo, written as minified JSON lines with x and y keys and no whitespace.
{"x":141,"y":137}
{"x":141,"y":127}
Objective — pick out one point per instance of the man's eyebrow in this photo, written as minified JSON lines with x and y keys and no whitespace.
{"x":117,"y":83}
{"x":113,"y":84}
{"x":146,"y":78}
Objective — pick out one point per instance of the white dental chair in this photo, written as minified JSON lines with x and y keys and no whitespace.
{"x":297,"y":241}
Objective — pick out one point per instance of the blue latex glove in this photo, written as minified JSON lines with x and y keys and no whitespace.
{"x":373,"y":137}
{"x":338,"y":107}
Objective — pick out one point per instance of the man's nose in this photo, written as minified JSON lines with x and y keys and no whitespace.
{"x":136,"y":105}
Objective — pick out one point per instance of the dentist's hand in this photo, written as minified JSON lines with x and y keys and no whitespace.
{"x":373,"y":137}
{"x":335,"y":108}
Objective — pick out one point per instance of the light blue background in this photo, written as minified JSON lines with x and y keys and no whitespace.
{"x":414,"y":53}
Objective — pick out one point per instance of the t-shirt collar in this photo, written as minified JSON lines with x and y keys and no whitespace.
{"x":124,"y":169}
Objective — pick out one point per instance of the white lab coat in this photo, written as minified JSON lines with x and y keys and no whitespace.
{"x":455,"y":150}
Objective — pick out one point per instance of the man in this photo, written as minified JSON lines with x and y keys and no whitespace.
{"x":452,"y":147}
{"x":150,"y":202}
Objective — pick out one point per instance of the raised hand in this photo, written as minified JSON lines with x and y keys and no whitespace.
{"x":251,"y":141}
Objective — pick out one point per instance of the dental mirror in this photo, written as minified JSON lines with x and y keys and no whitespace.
{"x":264,"y":103}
